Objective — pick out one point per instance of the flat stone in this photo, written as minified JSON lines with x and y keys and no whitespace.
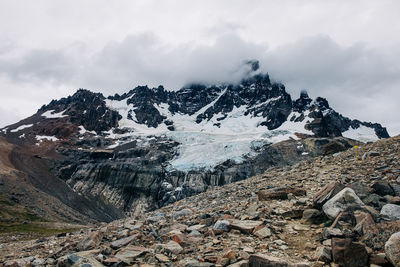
{"x":272,"y":194}
{"x":173,"y":247}
{"x":162,"y":258}
{"x":245,"y":226}
{"x":130,"y":253}
{"x":300,"y":227}
{"x":199,"y":264}
{"x":182,"y":213}
{"x":262,"y":260}
{"x":196,"y":227}
{"x":263,"y":232}
{"x":123,"y":241}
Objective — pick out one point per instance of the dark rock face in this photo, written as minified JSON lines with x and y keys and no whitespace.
{"x":87,"y":109}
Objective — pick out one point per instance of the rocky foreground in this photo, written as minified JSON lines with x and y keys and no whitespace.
{"x":327,"y":211}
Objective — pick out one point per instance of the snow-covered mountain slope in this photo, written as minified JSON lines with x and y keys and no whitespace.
{"x":211,"y":124}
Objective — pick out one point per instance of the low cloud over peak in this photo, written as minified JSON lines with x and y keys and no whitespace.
{"x":358,"y":80}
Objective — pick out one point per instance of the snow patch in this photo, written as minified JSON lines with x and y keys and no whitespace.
{"x":82,"y":131}
{"x":50,"y":114}
{"x":363,"y":134}
{"x":40,"y":138}
{"x":21,"y":128}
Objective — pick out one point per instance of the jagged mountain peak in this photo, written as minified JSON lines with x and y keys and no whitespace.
{"x":224,"y":115}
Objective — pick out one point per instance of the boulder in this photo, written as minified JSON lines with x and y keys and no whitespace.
{"x":364,"y":222}
{"x":199,"y":264}
{"x":280,"y":193}
{"x":243,"y":263}
{"x":123,"y":241}
{"x":91,"y":241}
{"x":324,"y":254}
{"x":262,"y":260}
{"x":173,"y":247}
{"x":328,"y":233}
{"x":392,"y":249}
{"x":361,"y":189}
{"x":374,"y":200}
{"x":349,"y":254}
{"x":342,"y":200}
{"x":16,"y":263}
{"x":396,"y":189}
{"x":383,"y":188}
{"x":312,"y":216}
{"x":84,"y":258}
{"x":391,"y":211}
{"x":263,"y":232}
{"x":221,"y":226}
{"x":245,"y":226}
{"x":272,"y":194}
{"x":326,"y":193}
{"x":129,"y":254}
{"x":379,"y":259}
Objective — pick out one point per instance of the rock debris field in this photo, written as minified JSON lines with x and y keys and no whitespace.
{"x":334,"y":210}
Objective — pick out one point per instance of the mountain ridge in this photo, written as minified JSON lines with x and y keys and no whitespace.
{"x":150,"y":147}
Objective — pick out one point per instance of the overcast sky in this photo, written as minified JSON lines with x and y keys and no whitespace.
{"x":346,"y":51}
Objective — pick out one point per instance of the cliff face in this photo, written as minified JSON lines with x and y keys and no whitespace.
{"x":150,"y":147}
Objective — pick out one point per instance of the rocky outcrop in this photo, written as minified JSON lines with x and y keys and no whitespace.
{"x":231,"y":226}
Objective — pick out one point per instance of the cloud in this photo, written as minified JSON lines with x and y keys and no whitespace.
{"x":359,"y":81}
{"x":144,"y":59}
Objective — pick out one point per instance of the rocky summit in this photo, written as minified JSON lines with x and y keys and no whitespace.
{"x":92,"y":158}
{"x":339,"y":209}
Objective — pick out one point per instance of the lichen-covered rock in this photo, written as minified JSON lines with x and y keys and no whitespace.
{"x":342,"y":200}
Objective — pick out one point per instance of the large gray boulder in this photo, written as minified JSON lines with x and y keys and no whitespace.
{"x":391,"y":211}
{"x":392,"y":249}
{"x":342,"y":200}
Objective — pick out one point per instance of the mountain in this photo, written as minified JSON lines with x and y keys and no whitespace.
{"x":108,"y":156}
